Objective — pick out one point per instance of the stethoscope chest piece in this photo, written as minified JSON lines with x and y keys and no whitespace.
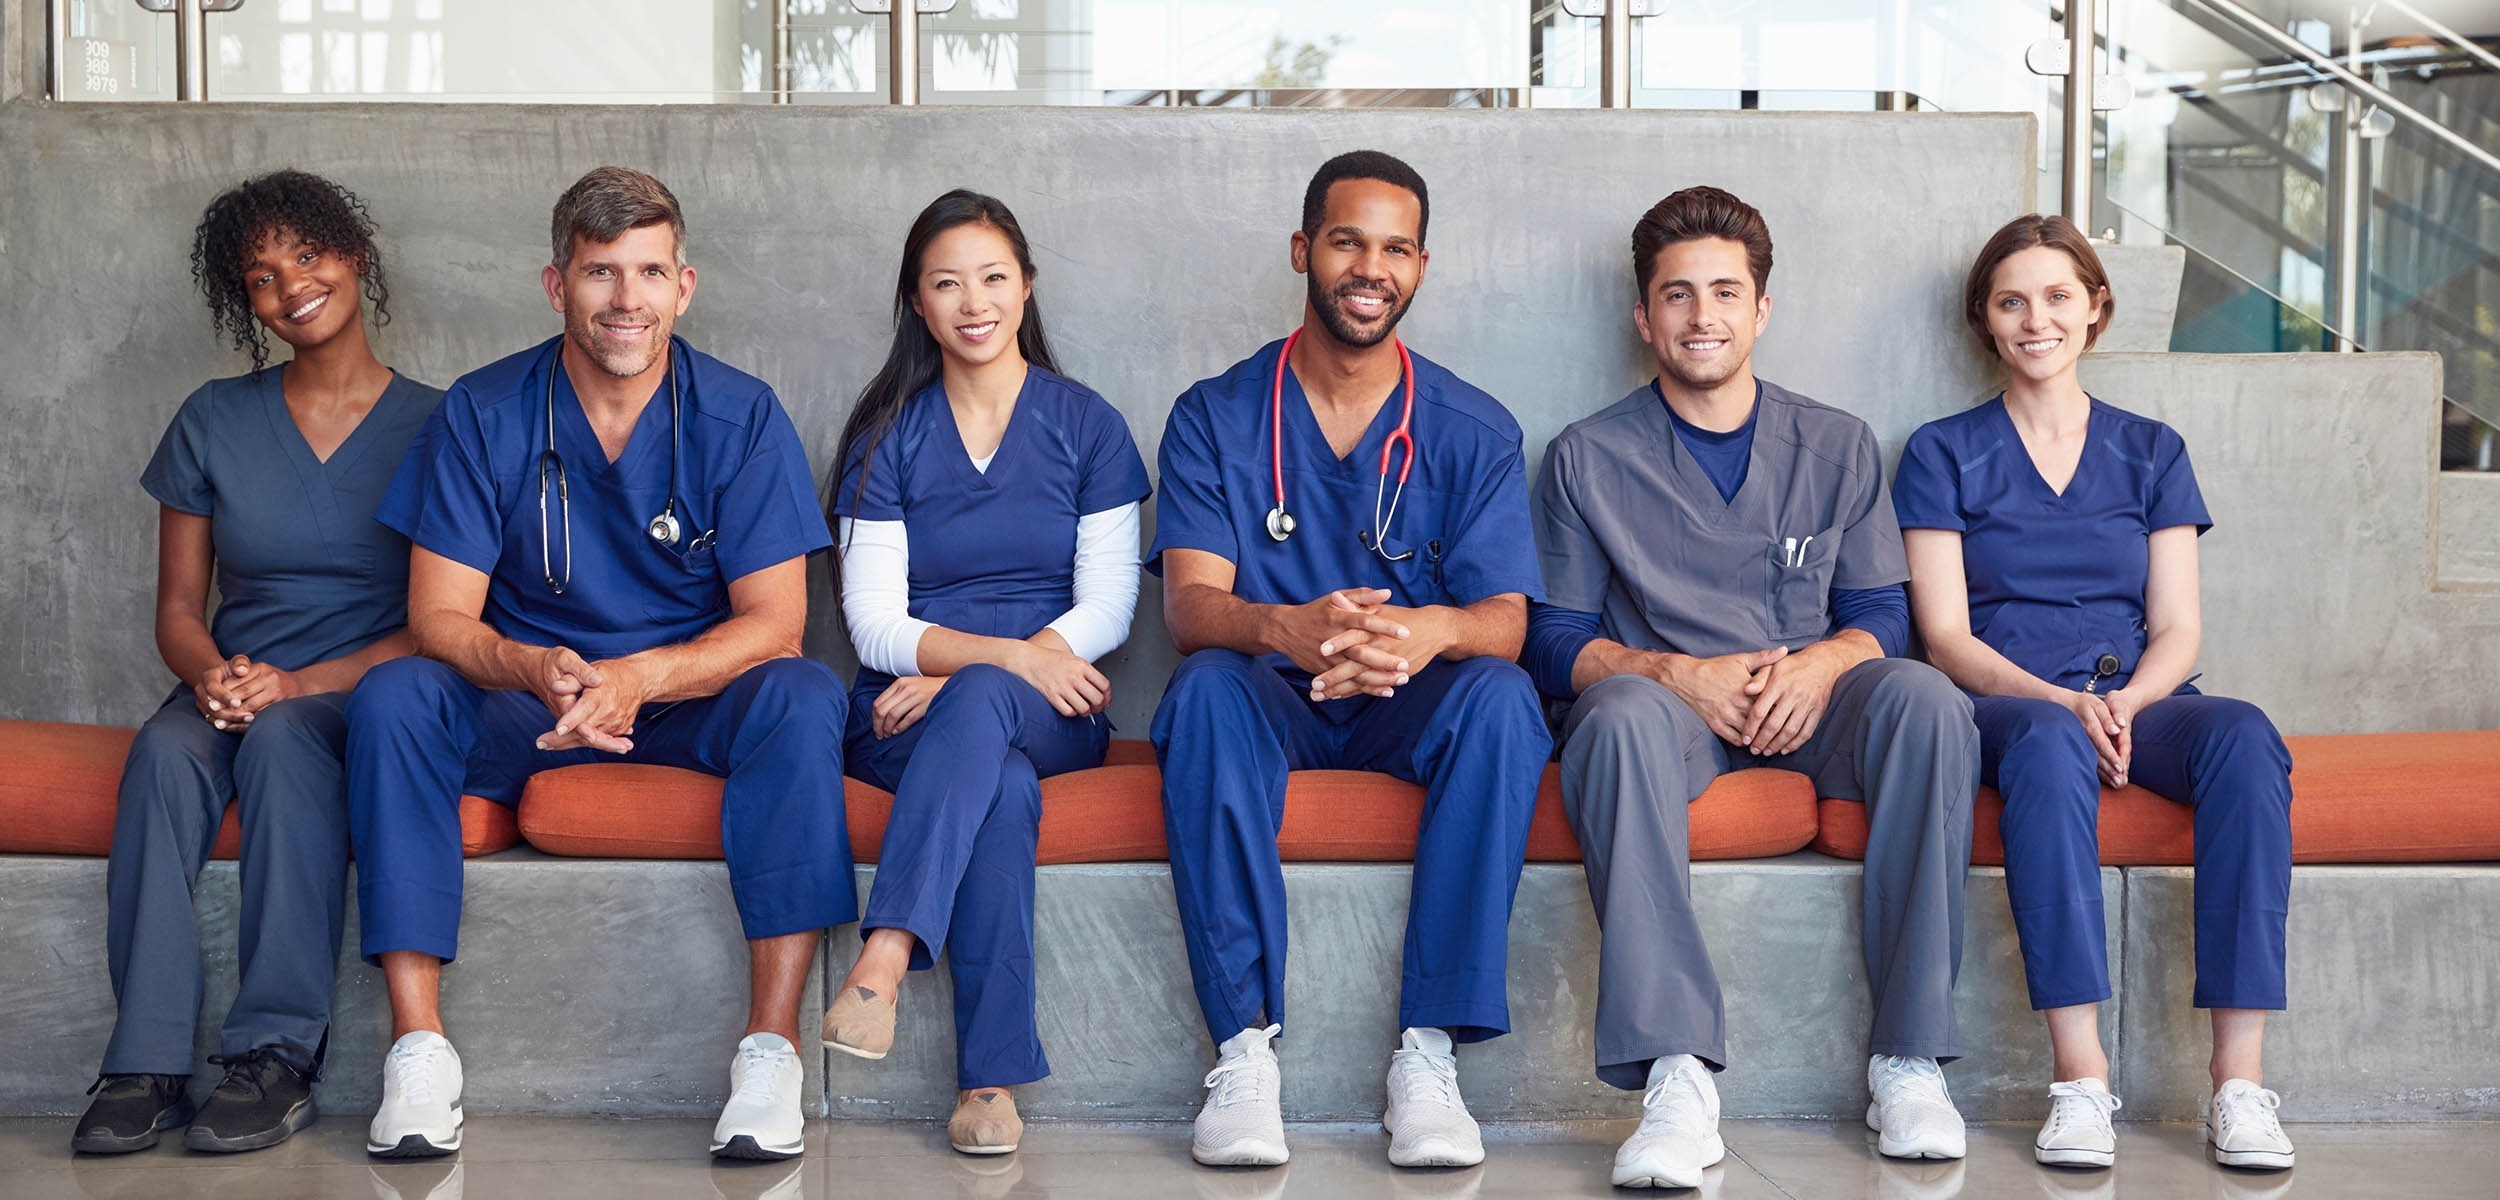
{"x":1279,"y":523}
{"x":663,"y":528}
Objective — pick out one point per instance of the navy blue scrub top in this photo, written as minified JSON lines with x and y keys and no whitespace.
{"x":1632,"y":526}
{"x":304,"y":572}
{"x":1464,"y":514}
{"x":2055,"y":580}
{"x":994,"y":553}
{"x":469,"y":491}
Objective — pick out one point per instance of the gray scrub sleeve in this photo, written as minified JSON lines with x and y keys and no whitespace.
{"x":1870,"y":540}
{"x":1575,"y":567}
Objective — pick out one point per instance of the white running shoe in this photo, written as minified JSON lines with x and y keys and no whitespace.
{"x":1679,"y":1133}
{"x":2078,"y":1133}
{"x":1243,"y":1121}
{"x":420,"y":1115}
{"x":762,"y":1119}
{"x":1911,"y":1112}
{"x":2242,"y":1130}
{"x":1426,"y":1118}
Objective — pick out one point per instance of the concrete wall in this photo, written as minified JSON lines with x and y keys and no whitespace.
{"x":1170,"y":223}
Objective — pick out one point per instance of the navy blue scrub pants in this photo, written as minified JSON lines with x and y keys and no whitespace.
{"x":419,"y":736}
{"x":284,"y":774}
{"x":2220,"y":756}
{"x":1472,"y":732}
{"x":956,"y":868}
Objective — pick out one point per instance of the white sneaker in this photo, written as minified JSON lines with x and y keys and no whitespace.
{"x":2241,"y":1128}
{"x":420,"y":1115}
{"x":762,"y":1119}
{"x":1243,"y":1121}
{"x":1679,"y":1133}
{"x":1911,"y":1111}
{"x":2078,"y":1133}
{"x":1426,"y":1118}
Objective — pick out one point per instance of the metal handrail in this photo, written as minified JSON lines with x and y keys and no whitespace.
{"x":2239,"y":15}
{"x":2445,"y":34}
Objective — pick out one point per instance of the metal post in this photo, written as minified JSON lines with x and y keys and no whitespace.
{"x":191,"y":50}
{"x":1614,"y":53}
{"x":2075,"y":177}
{"x":902,"y":55}
{"x":781,"y":51}
{"x":59,"y":32}
{"x":2345,"y":176}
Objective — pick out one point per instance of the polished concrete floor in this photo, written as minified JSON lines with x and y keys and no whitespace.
{"x":536,"y":1158}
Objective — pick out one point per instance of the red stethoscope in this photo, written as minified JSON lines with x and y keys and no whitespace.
{"x":1280,"y":523}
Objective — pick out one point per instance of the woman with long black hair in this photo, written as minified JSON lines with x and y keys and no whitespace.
{"x":987,"y":514}
{"x":267,"y":482}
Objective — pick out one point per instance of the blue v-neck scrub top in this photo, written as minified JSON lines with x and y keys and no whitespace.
{"x":745,"y":499}
{"x":304,"y":572}
{"x":1464,"y":515}
{"x":2056,"y":579}
{"x":993,"y":553}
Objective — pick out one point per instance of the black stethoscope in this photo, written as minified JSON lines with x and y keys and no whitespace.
{"x":664,"y":528}
{"x":1280,"y":523}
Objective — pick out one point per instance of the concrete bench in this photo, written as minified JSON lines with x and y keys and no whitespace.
{"x":615,"y":986}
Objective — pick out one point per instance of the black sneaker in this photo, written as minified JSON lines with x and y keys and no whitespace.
{"x":262,"y":1101}
{"x":130,"y":1111}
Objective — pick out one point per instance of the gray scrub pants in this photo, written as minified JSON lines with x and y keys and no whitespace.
{"x":1896,"y":736}
{"x":288,"y":777}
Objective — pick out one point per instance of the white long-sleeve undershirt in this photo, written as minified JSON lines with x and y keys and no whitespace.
{"x":876,"y":589}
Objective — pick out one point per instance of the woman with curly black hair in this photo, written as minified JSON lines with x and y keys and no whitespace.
{"x":268,"y":481}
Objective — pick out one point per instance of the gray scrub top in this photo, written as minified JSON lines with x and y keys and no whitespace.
{"x":304,"y":572}
{"x":1630,"y":528}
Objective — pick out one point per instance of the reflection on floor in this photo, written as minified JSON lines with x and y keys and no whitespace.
{"x":541,"y":1158}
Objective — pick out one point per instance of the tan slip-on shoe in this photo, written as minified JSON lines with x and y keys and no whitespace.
{"x":860,"y":1023}
{"x":985,"y":1122}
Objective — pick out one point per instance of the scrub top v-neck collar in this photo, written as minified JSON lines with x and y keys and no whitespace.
{"x":2004,"y":421}
{"x":573,"y":426}
{"x":1685,"y":472}
{"x":1311,"y":442}
{"x":319,"y":478}
{"x":1002,"y":458}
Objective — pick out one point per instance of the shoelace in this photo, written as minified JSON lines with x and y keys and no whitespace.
{"x":2254,"y":1105}
{"x":1915,"y":1078}
{"x":1427,"y":1077}
{"x":763,"y":1074}
{"x":410,"y":1073}
{"x":247,"y":1074}
{"x":1243,"y":1080}
{"x":2070,"y":1104}
{"x":1659,"y":1111}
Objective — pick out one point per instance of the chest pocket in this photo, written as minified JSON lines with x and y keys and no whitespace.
{"x":1798,"y":594}
{"x":690,"y":578}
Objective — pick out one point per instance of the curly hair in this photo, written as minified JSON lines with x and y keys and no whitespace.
{"x":307,"y":205}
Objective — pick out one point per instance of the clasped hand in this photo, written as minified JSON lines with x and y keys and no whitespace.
{"x":594,"y":704}
{"x":2109,"y":720}
{"x":233,"y":692}
{"x":1768,"y":702}
{"x":1074,"y":687}
{"x":1354,"y":642}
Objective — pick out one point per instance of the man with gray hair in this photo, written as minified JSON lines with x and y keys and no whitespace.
{"x":656,"y":620}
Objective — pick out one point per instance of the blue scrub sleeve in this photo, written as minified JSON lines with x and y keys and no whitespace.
{"x":1926,"y":490}
{"x":1556,"y":636}
{"x":1493,"y":548}
{"x":176,"y":476}
{"x":1575,"y":567}
{"x":1192,"y":513}
{"x":1113,"y":472}
{"x":879,"y":495}
{"x":1870,"y":540}
{"x":443,"y":496}
{"x":2174,"y":498}
{"x":767,"y":512}
{"x":1882,"y":612}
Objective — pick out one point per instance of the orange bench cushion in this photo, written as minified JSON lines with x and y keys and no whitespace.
{"x":1114,"y":813}
{"x":57,"y":795}
{"x":2356,"y":798}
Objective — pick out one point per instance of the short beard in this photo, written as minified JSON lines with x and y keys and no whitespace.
{"x":1667,"y":367}
{"x":621,"y":362}
{"x":1341,"y":327}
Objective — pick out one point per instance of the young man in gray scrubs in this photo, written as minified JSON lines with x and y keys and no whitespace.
{"x":1723,"y":581}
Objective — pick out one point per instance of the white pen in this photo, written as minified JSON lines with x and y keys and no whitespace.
{"x":1788,"y":552}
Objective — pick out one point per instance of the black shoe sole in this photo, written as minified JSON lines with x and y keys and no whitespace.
{"x":745,"y":1147}
{"x":202,"y":1138}
{"x":412,"y":1146}
{"x":100,"y":1142}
